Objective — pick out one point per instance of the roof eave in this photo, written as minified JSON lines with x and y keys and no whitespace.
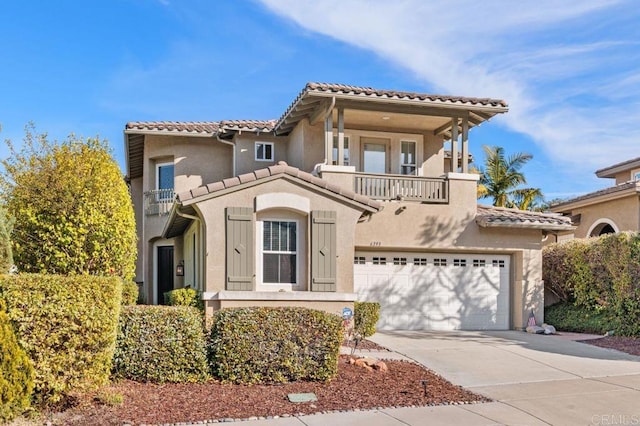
{"x":522,"y":225}
{"x":596,"y":198}
{"x":244,"y":185}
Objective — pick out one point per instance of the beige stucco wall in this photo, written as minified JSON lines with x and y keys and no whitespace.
{"x":197,"y":161}
{"x":623,"y":212}
{"x":416,"y":227}
{"x":626,"y":176}
{"x":246,"y":154}
{"x":213,"y":212}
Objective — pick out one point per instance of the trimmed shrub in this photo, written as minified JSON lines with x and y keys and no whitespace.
{"x":129,"y":293}
{"x":184,"y":297}
{"x":598,"y":274}
{"x":569,"y":317}
{"x":67,"y":326}
{"x":366,"y":315}
{"x":161,"y":344}
{"x":266,"y":345}
{"x":16,"y":380}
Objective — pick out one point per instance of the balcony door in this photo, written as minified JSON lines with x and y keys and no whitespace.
{"x":375,"y":155}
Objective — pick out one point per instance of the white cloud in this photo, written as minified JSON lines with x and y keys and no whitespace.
{"x":562,"y":66}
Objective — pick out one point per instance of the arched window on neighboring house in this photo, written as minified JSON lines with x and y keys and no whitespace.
{"x":602,"y":227}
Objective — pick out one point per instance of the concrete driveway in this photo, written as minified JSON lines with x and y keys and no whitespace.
{"x":534,"y":379}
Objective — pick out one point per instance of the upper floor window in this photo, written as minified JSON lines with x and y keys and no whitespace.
{"x":345,"y":152}
{"x":408,"y":157}
{"x":636,"y":176}
{"x":164,"y":175}
{"x":264,"y":151}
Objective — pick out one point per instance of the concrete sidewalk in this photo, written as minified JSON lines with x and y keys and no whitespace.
{"x":533,"y":380}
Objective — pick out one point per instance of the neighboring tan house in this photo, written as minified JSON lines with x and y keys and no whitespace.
{"x":609,"y":210}
{"x":350,"y":195}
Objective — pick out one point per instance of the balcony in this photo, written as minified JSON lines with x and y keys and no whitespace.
{"x":158,"y":202}
{"x":400,"y":187}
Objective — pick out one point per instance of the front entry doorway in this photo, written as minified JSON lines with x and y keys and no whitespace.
{"x":164,"y":272}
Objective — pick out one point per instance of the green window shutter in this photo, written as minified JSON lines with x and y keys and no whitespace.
{"x":323,"y":251}
{"x":240,"y":257}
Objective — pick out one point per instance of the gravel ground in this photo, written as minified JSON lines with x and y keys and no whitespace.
{"x":353,"y":388}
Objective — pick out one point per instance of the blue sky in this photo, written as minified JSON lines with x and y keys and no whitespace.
{"x":570,"y":70}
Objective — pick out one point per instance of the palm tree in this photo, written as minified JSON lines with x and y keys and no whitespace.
{"x":527,"y":199}
{"x":501,"y":176}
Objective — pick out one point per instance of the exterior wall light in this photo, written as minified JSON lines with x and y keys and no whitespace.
{"x":180,"y":269}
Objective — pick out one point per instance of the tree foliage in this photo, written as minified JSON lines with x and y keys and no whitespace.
{"x":72,"y":210}
{"x":6,"y":255}
{"x":500,"y":179}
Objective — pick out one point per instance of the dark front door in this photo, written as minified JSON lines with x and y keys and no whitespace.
{"x":165,"y":271}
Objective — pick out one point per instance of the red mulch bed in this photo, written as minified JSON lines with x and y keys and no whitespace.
{"x":353,"y":388}
{"x":630,"y":345}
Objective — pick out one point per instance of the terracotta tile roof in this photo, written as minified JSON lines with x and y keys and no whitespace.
{"x":488,"y":216}
{"x":394,"y":94}
{"x":281,"y":168}
{"x":248,"y":125}
{"x":314,"y":94}
{"x":601,"y":192}
{"x":207,"y":127}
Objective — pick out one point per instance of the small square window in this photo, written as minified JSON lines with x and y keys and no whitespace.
{"x":264,"y":151}
{"x":498,"y":263}
{"x":419,"y":261}
{"x":399,"y":260}
{"x":459,"y":262}
{"x":440,"y":262}
{"x":379,"y":260}
{"x":479,"y":263}
{"x":359,"y":260}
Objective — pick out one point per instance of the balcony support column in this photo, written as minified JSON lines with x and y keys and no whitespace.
{"x":328,"y":137}
{"x":454,"y":144}
{"x":340,"y":159}
{"x":465,"y":145}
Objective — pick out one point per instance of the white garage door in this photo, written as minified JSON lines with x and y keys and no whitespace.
{"x":435,"y":291}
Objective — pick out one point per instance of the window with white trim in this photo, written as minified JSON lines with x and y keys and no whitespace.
{"x":264,"y":151}
{"x":279,"y":252}
{"x":359,"y":260}
{"x":345,"y":152}
{"x":440,"y":262}
{"x":379,"y":260}
{"x":164,"y":181}
{"x":408,"y":157}
{"x":420,"y":261}
{"x":399,"y":260}
{"x":635,"y":176}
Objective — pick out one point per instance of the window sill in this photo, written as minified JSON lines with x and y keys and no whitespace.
{"x":311,"y":296}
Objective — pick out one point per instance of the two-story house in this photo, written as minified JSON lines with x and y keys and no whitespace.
{"x":352,"y":194}
{"x":608,"y":210}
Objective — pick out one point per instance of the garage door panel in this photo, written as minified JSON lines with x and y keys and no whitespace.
{"x":434,"y":294}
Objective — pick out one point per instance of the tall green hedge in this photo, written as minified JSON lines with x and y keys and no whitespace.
{"x":262,"y":345}
{"x":599,"y":274}
{"x":16,"y":380}
{"x":161,"y":344}
{"x":67,"y":325}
